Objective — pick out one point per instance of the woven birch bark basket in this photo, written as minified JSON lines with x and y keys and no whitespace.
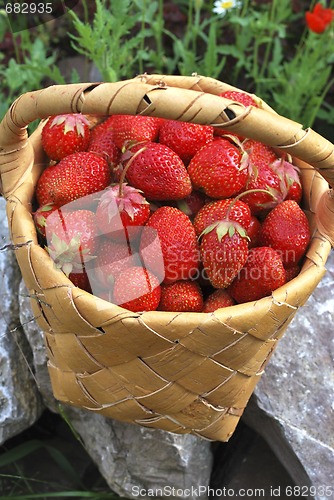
{"x":180,"y":372}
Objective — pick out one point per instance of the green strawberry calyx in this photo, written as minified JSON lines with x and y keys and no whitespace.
{"x":114,"y":202}
{"x":68,"y":256}
{"x":40,"y":219}
{"x":288,"y":173}
{"x":226,"y":228}
{"x":72,"y":122}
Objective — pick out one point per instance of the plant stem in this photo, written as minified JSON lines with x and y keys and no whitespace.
{"x":142,"y":41}
{"x":158,"y":37}
{"x":264,"y":65}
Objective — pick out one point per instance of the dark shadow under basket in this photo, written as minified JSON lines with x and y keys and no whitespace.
{"x":181,"y":372}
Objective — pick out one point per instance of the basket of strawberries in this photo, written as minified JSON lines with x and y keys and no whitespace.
{"x":167,"y":229}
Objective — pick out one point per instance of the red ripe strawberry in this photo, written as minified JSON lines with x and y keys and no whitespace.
{"x":103,"y":144}
{"x":158,"y":172}
{"x":218,"y":169}
{"x":101,"y":128}
{"x":137,"y":289}
{"x":177,"y":244}
{"x":75,"y":176}
{"x":259,"y":154}
{"x":218,"y":210}
{"x":242,"y":97}
{"x":292,"y":272}
{"x":262,"y":274}
{"x":81,"y":280}
{"x":286,"y":229}
{"x":128,"y":129}
{"x":253,"y":232}
{"x":262,"y":176}
{"x":181,"y":296}
{"x":224,"y":250}
{"x":216,"y":300}
{"x":63,"y":135}
{"x":185,"y":138}
{"x":112,"y":258}
{"x":191,"y":204}
{"x":71,"y":239}
{"x":120,"y":208}
{"x":41,"y":215}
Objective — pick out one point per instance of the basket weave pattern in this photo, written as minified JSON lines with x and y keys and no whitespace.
{"x":181,"y":372}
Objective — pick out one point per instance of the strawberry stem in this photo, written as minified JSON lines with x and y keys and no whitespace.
{"x":244,"y":193}
{"x":126,"y":168}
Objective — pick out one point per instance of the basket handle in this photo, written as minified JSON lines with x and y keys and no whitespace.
{"x":194,"y":99}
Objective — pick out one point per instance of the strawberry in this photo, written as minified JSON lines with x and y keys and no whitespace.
{"x":71,"y":239}
{"x":292,"y":272}
{"x":129,"y":129}
{"x":81,"y":280}
{"x":216,"y":300}
{"x":65,"y":134}
{"x":259,"y":154}
{"x":112,"y":258}
{"x":41,"y":215}
{"x":101,"y":128}
{"x":191,"y":204}
{"x":158,"y":172}
{"x":181,"y":296}
{"x":103,"y":144}
{"x":242,"y":97}
{"x":286,"y":229}
{"x":262,"y":274}
{"x":289,"y":174}
{"x":185,"y":138}
{"x":262,"y":176}
{"x":218,"y":169}
{"x":75,"y":176}
{"x":224,"y":250}
{"x":122,"y":207}
{"x":253,"y":232}
{"x":137,"y":289}
{"x":218,"y":209}
{"x":177,"y":245}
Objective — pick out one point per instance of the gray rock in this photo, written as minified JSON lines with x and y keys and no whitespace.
{"x":130,"y":458}
{"x":292,"y":406}
{"x":20,"y":402}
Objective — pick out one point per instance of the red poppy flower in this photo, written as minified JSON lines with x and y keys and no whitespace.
{"x":319,"y":19}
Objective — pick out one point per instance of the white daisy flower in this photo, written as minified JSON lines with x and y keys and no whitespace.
{"x":222,"y":6}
